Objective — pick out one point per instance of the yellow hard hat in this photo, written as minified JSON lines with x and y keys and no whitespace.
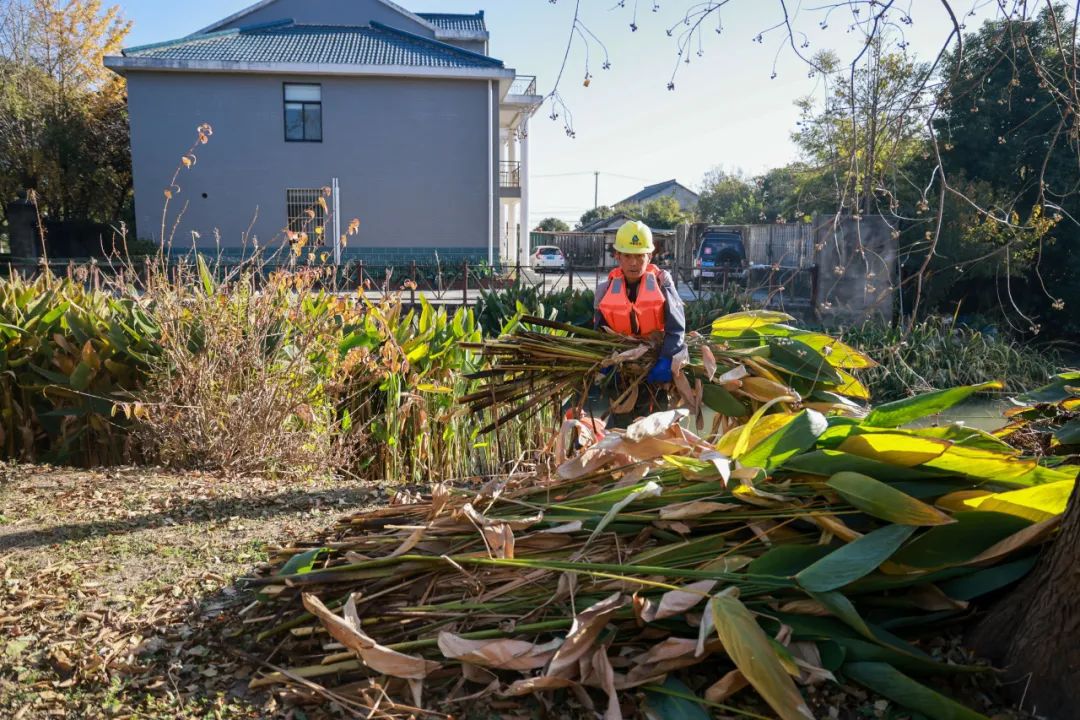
{"x":634,"y":238}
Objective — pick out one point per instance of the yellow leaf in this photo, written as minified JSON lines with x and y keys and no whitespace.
{"x":737,"y":322}
{"x":895,"y":448}
{"x":1037,"y":503}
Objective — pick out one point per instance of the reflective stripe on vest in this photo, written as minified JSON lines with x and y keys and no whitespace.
{"x":642,"y":317}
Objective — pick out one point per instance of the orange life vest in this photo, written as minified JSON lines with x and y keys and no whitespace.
{"x":642,"y":317}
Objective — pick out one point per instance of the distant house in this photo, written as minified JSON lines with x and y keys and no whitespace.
{"x":604,"y":225}
{"x":424,"y":133}
{"x":687,"y":198}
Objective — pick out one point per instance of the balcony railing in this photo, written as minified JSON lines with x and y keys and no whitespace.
{"x":509,"y":173}
{"x":523,"y":85}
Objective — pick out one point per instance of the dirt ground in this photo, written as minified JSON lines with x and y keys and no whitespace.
{"x":115,"y":583}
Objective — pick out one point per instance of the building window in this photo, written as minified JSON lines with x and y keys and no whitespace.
{"x":303,"y":113}
{"x":306,"y":214}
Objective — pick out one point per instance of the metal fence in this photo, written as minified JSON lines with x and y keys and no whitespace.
{"x":455,"y":285}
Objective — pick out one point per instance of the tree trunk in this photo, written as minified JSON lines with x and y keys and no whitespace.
{"x":1034,"y":632}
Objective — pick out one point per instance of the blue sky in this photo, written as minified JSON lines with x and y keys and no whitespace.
{"x":726,"y":110}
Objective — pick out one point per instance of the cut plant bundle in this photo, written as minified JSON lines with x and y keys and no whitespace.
{"x":749,"y":361}
{"x":800,"y":549}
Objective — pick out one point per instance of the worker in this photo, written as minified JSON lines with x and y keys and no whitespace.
{"x":641,"y":300}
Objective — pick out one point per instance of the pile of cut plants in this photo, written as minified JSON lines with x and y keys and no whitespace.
{"x":805,"y":543}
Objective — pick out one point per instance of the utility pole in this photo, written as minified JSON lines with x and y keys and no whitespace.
{"x":596,"y":190}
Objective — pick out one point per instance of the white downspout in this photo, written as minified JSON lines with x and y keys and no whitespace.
{"x":337,"y":221}
{"x":491,"y":178}
{"x":523,"y":233}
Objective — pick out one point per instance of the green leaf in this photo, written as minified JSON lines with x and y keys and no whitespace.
{"x":854,"y":560}
{"x":842,"y":608}
{"x":802,"y":361}
{"x":972,"y":533}
{"x":893,"y":684}
{"x":793,"y":438}
{"x":830,"y":462}
{"x":837,"y":354}
{"x":736,"y":323}
{"x":901,"y":412}
{"x":750,"y":649}
{"x":81,"y":376}
{"x":1069,"y":433}
{"x":204,"y":275}
{"x":882,"y":501}
{"x":787,"y":560}
{"x":1056,"y":391}
{"x":719,"y":400}
{"x":672,"y":702}
{"x":302,"y":563}
{"x":988,"y":580}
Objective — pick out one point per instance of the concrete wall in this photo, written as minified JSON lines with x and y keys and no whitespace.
{"x":411,"y":156}
{"x":332,"y":12}
{"x":857,"y":269}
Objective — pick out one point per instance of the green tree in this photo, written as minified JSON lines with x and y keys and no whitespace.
{"x":871,"y":126}
{"x":1006,"y":130}
{"x":63,"y":117}
{"x":663,"y":213}
{"x":728,"y":198}
{"x":552,"y":224}
{"x":597,"y":213}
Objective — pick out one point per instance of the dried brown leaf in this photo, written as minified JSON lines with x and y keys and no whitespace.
{"x":655,"y":425}
{"x":380,"y":659}
{"x":694,"y":509}
{"x":709,"y":361}
{"x":676,"y":602}
{"x":726,"y":686}
{"x":497,"y":654}
{"x":530,"y":685}
{"x":586,"y":627}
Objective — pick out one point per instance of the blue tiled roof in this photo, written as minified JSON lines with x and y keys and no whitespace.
{"x":286,"y":42}
{"x":450,"y":21}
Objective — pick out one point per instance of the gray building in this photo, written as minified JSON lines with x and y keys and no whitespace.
{"x":420,"y":133}
{"x":687,"y":198}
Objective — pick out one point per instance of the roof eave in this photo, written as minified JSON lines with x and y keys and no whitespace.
{"x":122,"y":65}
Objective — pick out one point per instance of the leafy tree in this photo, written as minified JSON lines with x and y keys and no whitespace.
{"x":663,"y":213}
{"x":597,"y":213}
{"x":552,"y":224}
{"x":728,"y":198}
{"x":63,"y":119}
{"x":872,"y":125}
{"x":1005,"y":134}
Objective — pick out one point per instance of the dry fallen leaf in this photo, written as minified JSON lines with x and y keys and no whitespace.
{"x":380,"y":659}
{"x":584,"y":630}
{"x":498,"y":654}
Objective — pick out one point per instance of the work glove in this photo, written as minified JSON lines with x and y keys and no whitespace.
{"x":660,"y":372}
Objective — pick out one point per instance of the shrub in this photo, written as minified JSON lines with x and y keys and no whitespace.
{"x":244,"y":379}
{"x":938,"y":353}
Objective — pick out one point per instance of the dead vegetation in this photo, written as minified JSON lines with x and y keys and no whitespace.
{"x":114,"y":585}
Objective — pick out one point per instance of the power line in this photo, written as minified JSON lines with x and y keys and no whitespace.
{"x":591,"y":172}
